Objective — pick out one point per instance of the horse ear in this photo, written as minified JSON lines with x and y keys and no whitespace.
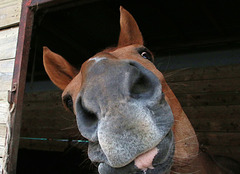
{"x":130,"y":33}
{"x":58,"y":69}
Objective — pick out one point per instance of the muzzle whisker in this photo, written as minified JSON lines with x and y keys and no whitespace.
{"x":185,"y":139}
{"x":185,"y":173}
{"x":191,"y":156}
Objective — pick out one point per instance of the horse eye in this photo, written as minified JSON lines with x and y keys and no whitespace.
{"x":68,"y":102}
{"x":146,"y":55}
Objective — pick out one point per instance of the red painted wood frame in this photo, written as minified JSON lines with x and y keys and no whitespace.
{"x":29,"y":9}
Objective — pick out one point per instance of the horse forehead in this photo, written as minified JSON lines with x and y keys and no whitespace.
{"x":127,"y":52}
{"x":122,"y":53}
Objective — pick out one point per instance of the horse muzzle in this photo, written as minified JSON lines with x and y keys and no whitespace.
{"x":122,"y":111}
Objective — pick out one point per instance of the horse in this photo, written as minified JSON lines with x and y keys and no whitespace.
{"x":124,"y":107}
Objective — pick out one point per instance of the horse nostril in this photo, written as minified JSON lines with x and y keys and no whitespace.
{"x":87,"y":122}
{"x":141,"y":88}
{"x":142,"y":85}
{"x":89,"y":118}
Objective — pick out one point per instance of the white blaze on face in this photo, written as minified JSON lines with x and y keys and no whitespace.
{"x":144,"y":161}
{"x":97,"y":59}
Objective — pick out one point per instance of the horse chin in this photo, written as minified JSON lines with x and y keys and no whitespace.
{"x":161,"y":163}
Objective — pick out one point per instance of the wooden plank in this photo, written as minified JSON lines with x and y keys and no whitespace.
{"x":206,"y":86}
{"x":44,"y":116}
{"x":2,"y":133}
{"x":43,"y":96}
{"x":6,"y":3}
{"x":6,"y":71}
{"x":5,"y":81}
{"x":3,"y":112}
{"x":227,"y":151}
{"x":10,"y":11}
{"x":57,"y":127}
{"x":48,"y":119}
{"x":7,"y":65}
{"x":45,"y":105}
{"x":215,"y":112}
{"x":225,"y":144}
{"x":217,"y":125}
{"x":8,"y":43}
{"x":1,"y":152}
{"x":209,"y":99}
{"x":2,"y":147}
{"x":214,"y":118}
{"x":219,"y":138}
{"x":1,"y":162}
{"x":2,"y":137}
{"x":208,"y":73}
{"x":3,"y":96}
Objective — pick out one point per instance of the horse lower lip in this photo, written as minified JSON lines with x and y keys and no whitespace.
{"x":144,"y":161}
{"x":161,"y":163}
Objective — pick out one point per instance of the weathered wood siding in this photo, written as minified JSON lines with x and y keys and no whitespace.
{"x":211,"y":99}
{"x":209,"y":96}
{"x":44,"y":117}
{"x":9,"y":19}
{"x":9,"y":13}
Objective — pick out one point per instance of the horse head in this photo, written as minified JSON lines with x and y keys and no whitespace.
{"x":124,"y":107}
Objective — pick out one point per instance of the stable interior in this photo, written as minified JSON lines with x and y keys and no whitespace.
{"x":196,"y":46}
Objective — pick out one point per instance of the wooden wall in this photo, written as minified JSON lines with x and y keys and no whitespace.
{"x":211,"y":99}
{"x":9,"y":19}
{"x":209,"y":96}
{"x":45,"y":117}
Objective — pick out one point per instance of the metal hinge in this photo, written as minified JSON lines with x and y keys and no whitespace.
{"x":11,"y":93}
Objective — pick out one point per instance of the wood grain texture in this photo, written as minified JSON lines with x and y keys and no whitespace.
{"x":2,"y":131}
{"x":6,"y":71}
{"x":232,"y":152}
{"x":206,"y":86}
{"x":44,"y":116}
{"x":3,"y":119}
{"x":6,"y":3}
{"x":209,"y":99}
{"x":217,"y":125}
{"x":3,"y":95}
{"x":5,"y":81}
{"x":3,"y":112}
{"x":10,"y":11}
{"x":214,"y":118}
{"x":208,"y":73}
{"x":217,"y":112}
{"x":6,"y":66}
{"x":8,"y":43}
{"x":219,"y":138}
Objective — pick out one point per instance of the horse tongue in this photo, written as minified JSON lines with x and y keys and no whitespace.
{"x":144,"y":161}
